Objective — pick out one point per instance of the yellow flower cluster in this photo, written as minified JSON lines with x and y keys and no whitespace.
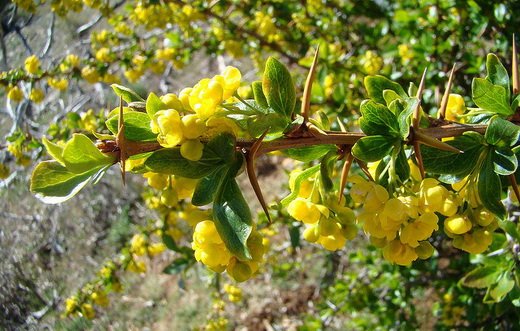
{"x":140,"y":245}
{"x":372,"y":63}
{"x":58,"y":83}
{"x":329,"y":225}
{"x":32,"y":65}
{"x":211,"y":251}
{"x":190,"y":115}
{"x":405,"y":52}
{"x":234,"y":292}
{"x":455,"y":108}
{"x":15,"y":93}
{"x":402,"y":225}
{"x":265,"y":26}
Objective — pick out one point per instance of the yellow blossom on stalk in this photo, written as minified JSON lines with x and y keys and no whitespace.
{"x":15,"y":94}
{"x":455,"y":108}
{"x":216,"y":125}
{"x":234,"y":293}
{"x":192,"y":149}
{"x":304,"y":211}
{"x":172,"y":101}
{"x":58,"y":83}
{"x":70,"y":62}
{"x":475,"y":243}
{"x":372,"y":63}
{"x":184,"y":186}
{"x":157,"y":181}
{"x":103,"y":55}
{"x":165,"y":54}
{"x":192,"y":126}
{"x":425,"y":250}
{"x":71,"y":305}
{"x":88,"y":121}
{"x":36,"y":95}
{"x":205,"y":97}
{"x":399,"y":253}
{"x":184,"y":97}
{"x":90,"y":74}
{"x":156,"y":248}
{"x":138,"y":244}
{"x":136,"y":266}
{"x":209,"y":247}
{"x":100,"y":298}
{"x":32,"y":64}
{"x":405,"y":52}
{"x":169,"y":197}
{"x":88,"y":311}
{"x":133,"y":75}
{"x":167,"y":123}
{"x":457,"y":224}
{"x":419,"y":229}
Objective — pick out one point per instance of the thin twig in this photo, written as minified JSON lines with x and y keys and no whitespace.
{"x":50,"y":34}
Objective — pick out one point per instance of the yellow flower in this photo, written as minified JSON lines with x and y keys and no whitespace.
{"x":36,"y":95}
{"x":455,"y":107}
{"x":457,"y":224}
{"x":103,"y":55}
{"x":32,"y":64}
{"x":419,"y":230}
{"x":138,"y":244}
{"x":57,"y":83}
{"x":192,"y":149}
{"x":399,"y":253}
{"x":167,"y":123}
{"x":90,"y":74}
{"x":15,"y":94}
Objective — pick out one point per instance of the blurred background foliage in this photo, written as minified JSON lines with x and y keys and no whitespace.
{"x":83,"y":46}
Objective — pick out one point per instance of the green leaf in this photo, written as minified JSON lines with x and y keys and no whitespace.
{"x":490,"y":188}
{"x":298,"y":182}
{"x":502,"y":288}
{"x":53,"y":183}
{"x":207,"y":187}
{"x":154,"y":104}
{"x":376,"y":119}
{"x":497,"y":73}
{"x":326,"y":168}
{"x":375,"y":86}
{"x":170,"y":161}
{"x":258,"y":94}
{"x":510,"y":227}
{"x":258,"y":124}
{"x":492,"y":98}
{"x":217,"y":152}
{"x":443,"y":162}
{"x":481,"y":277}
{"x":137,"y":126}
{"x":373,"y":148}
{"x":178,"y":265}
{"x":515,"y":103}
{"x":402,"y":166}
{"x":54,"y":150}
{"x":278,"y":87}
{"x":80,"y":155}
{"x":390,"y":96}
{"x":501,"y":132}
{"x":505,"y":161}
{"x":128,"y":95}
{"x":232,"y":218}
{"x":405,"y":117}
{"x":310,"y":153}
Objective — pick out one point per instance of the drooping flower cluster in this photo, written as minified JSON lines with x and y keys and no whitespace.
{"x":329,"y":224}
{"x":191,"y":114}
{"x":402,"y":225}
{"x":211,"y":250}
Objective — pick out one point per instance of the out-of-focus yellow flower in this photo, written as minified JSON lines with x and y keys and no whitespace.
{"x":32,"y":64}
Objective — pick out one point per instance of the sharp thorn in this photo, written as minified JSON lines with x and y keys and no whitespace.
{"x":420,"y":90}
{"x":446,"y":96}
{"x":306,"y":99}
{"x":251,"y":174}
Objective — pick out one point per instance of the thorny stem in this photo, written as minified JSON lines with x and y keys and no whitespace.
{"x":330,"y":138}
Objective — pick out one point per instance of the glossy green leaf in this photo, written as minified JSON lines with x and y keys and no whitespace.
{"x":178,"y":265}
{"x":232,"y":218}
{"x":406,"y":116}
{"x":390,"y":96}
{"x":53,"y":183}
{"x":221,"y":146}
{"x":510,"y":227}
{"x":497,"y":73}
{"x":54,"y":150}
{"x":258,"y":94}
{"x":501,"y":132}
{"x":81,"y":155}
{"x":278,"y":87}
{"x":502,"y":288}
{"x":258,"y":124}
{"x":207,"y":187}
{"x":326,"y":168}
{"x":310,"y":153}
{"x":492,"y":98}
{"x":443,"y":162}
{"x":505,"y":161}
{"x":402,"y":168}
{"x":126,"y":93}
{"x":376,"y":119}
{"x":137,"y":126}
{"x":376,"y":85}
{"x":490,"y":188}
{"x":170,"y":161}
{"x":481,"y":277}
{"x":154,"y":104}
{"x":373,"y":148}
